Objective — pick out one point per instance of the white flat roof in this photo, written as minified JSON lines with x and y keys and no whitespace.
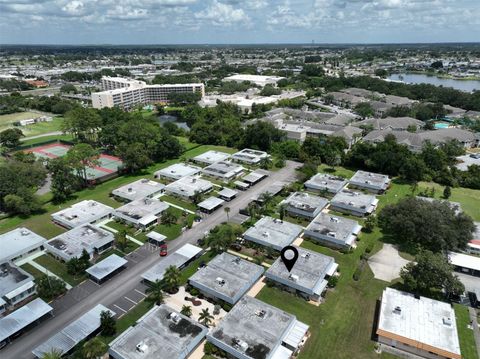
{"x":423,"y":320}
{"x":106,"y":266}
{"x":211,"y":203}
{"x":211,"y":157}
{"x":18,"y":242}
{"x":178,"y":170}
{"x":464,"y":260}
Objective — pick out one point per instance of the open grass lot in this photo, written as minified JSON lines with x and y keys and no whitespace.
{"x":467,"y":340}
{"x":468,"y":198}
{"x":6,"y":121}
{"x":59,"y":268}
{"x":179,"y":202}
{"x":41,"y":223}
{"x":35,"y":141}
{"x":27,"y":267}
{"x":338,"y":171}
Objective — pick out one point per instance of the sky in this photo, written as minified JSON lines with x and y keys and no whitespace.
{"x":238,"y":21}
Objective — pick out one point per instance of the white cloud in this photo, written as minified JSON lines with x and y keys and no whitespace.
{"x":220,"y":14}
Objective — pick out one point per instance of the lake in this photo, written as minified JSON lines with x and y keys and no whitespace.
{"x":169,"y":118}
{"x":462,"y":85}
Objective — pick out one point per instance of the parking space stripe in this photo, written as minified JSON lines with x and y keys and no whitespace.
{"x":123,"y":310}
{"x":136,"y":290}
{"x":130,"y":300}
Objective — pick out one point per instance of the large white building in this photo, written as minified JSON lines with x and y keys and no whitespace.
{"x":256,"y":79}
{"x":127,"y":93}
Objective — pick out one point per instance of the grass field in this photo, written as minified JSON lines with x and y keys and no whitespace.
{"x":6,"y":121}
{"x":32,"y":270}
{"x":35,"y":141}
{"x":59,"y":268}
{"x":467,"y":339}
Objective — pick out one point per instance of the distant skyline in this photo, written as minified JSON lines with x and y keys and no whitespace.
{"x":238,"y":21}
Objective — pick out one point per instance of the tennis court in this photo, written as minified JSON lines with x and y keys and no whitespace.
{"x":107,"y":164}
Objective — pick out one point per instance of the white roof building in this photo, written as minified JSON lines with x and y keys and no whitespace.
{"x":186,"y":187}
{"x":256,"y":79}
{"x":139,"y":189}
{"x":88,"y":211}
{"x":177,"y":171}
{"x":209,"y":157}
{"x":19,"y":243}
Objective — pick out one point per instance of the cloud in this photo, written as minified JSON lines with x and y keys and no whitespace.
{"x":220,"y":14}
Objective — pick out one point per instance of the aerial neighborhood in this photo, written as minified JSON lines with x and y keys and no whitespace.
{"x":238,"y":202}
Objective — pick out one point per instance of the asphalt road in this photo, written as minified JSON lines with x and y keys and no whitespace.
{"x":84,"y":297}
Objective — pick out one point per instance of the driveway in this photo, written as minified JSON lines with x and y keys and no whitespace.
{"x":386,"y":263}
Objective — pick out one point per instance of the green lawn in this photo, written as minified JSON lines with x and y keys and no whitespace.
{"x":465,"y":334}
{"x":27,"y":267}
{"x":338,"y":171}
{"x":43,"y":139}
{"x":176,"y":201}
{"x":190,"y":270}
{"x":6,"y":121}
{"x":60,"y":269}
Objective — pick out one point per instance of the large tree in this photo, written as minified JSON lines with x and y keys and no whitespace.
{"x":108,"y":324}
{"x":431,"y":274}
{"x":83,"y":123}
{"x":10,"y":138}
{"x":431,"y":225}
{"x":64,"y":181}
{"x":171,"y":279}
{"x":222,"y":237}
{"x":81,"y":157}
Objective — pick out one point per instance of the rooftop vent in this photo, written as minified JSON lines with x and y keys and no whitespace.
{"x":261,"y":313}
{"x":220,"y":281}
{"x":447,"y":321}
{"x":141,"y":347}
{"x":331,"y":234}
{"x":266,"y":234}
{"x":24,"y":232}
{"x":397,"y":310}
{"x":240,"y":345}
{"x":293,"y":277}
{"x":4,"y":272}
{"x":236,"y":260}
{"x":334,"y":219}
{"x":174,"y":317}
{"x":144,"y":180}
{"x":129,"y":189}
{"x":306,"y":255}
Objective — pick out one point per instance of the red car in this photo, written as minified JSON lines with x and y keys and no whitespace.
{"x":163,"y":250}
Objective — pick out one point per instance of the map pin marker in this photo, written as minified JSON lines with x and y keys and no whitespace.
{"x":289,"y":256}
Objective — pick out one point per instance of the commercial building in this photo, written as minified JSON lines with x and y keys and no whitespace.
{"x":70,"y":244}
{"x":325,"y":182}
{"x":256,"y":330}
{"x":302,"y":204}
{"x":418,"y":325}
{"x":143,"y":188}
{"x":88,"y":211}
{"x":180,"y":259}
{"x":24,"y":317}
{"x":83,"y":328}
{"x":141,"y":213}
{"x":249,"y":156}
{"x":223,"y":170}
{"x":209,"y":157}
{"x":356,"y":203}
{"x":226,"y":277}
{"x":187,"y":187}
{"x":333,"y":231}
{"x":161,"y":333}
{"x":210,"y":204}
{"x":19,"y":243}
{"x":16,"y":285}
{"x":255,"y":79}
{"x":373,"y":182}
{"x":177,"y":171}
{"x":272,"y":232}
{"x":126,"y":93}
{"x":309,"y":275}
{"x":106,"y":268}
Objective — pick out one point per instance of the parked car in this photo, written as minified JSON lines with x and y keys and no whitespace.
{"x":163,"y":250}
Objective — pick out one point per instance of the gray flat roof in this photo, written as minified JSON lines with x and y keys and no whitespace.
{"x":308,"y":273}
{"x":178,"y":170}
{"x":255,"y":176}
{"x":22,"y":317}
{"x":74,"y":333}
{"x":161,"y":333}
{"x":81,"y":213}
{"x":305,"y":202}
{"x":211,"y":203}
{"x":211,"y":156}
{"x":224,"y":169}
{"x":177,"y":259}
{"x":370,"y":180}
{"x":227,"y":192}
{"x":140,"y":209}
{"x":323,"y":181}
{"x":336,"y":227}
{"x":252,"y":329}
{"x":187,"y":186}
{"x":139,"y":189}
{"x":357,"y":200}
{"x":13,"y":278}
{"x":106,"y":266}
{"x":227,"y":276}
{"x":71,"y":244}
{"x":273,"y":233}
{"x":249,"y":156}
{"x":274,"y":189}
{"x":17,"y":242}
{"x":423,"y":320}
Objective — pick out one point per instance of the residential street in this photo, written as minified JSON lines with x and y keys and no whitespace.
{"x":85,"y":296}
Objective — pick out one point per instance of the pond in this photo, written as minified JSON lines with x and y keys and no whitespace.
{"x":169,"y":118}
{"x":462,"y":85}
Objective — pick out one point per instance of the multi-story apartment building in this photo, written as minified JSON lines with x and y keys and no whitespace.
{"x":127,"y":93}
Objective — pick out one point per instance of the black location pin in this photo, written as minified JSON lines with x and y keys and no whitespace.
{"x":289,"y":256}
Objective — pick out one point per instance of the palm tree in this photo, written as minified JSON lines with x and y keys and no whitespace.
{"x":171,"y":279}
{"x":265,"y":198}
{"x":155,"y":292}
{"x":186,"y":310}
{"x":121,"y":241}
{"x":205,"y":317}
{"x":265,"y":163}
{"x":94,"y":348}
{"x":282,"y":210}
{"x":53,"y":354}
{"x":227,"y":211}
{"x":252,"y":209}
